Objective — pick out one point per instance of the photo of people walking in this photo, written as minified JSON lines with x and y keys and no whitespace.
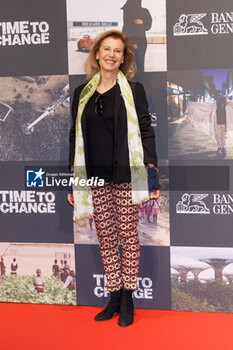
{"x":200,"y":114}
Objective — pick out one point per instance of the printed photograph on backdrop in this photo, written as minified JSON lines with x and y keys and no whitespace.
{"x":154,"y":225}
{"x":143,"y":20}
{"x":202,"y":279}
{"x":37,"y":273}
{"x":200,"y":114}
{"x":34,"y":118}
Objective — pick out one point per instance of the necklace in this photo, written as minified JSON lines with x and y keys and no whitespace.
{"x":105,"y":86}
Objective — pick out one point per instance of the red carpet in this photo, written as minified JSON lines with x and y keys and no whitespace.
{"x":42,"y":327}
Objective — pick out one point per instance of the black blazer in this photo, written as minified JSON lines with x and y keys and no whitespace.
{"x":121,"y":168}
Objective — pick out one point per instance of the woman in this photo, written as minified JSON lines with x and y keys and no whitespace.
{"x":137,"y":20}
{"x":112,"y":139}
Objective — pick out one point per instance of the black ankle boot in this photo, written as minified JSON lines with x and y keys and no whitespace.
{"x":127,"y":309}
{"x":112,"y":307}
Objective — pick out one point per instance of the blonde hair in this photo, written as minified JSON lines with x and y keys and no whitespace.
{"x":128,"y":67}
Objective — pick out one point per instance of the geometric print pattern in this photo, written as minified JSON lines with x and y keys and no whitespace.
{"x":116,"y":220}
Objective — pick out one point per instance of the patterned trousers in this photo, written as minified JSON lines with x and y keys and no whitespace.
{"x":116,"y":219}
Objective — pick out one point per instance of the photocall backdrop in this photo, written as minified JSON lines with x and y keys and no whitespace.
{"x":184,"y":59}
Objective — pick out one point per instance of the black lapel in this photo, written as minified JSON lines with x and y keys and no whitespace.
{"x":118,"y":101}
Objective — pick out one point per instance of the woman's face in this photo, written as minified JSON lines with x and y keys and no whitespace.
{"x":110,"y":54}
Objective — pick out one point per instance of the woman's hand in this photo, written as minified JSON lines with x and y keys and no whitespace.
{"x":153,"y":181}
{"x":155,"y":194}
{"x":70,"y":199}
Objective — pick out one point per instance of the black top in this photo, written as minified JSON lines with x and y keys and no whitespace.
{"x":99,"y":119}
